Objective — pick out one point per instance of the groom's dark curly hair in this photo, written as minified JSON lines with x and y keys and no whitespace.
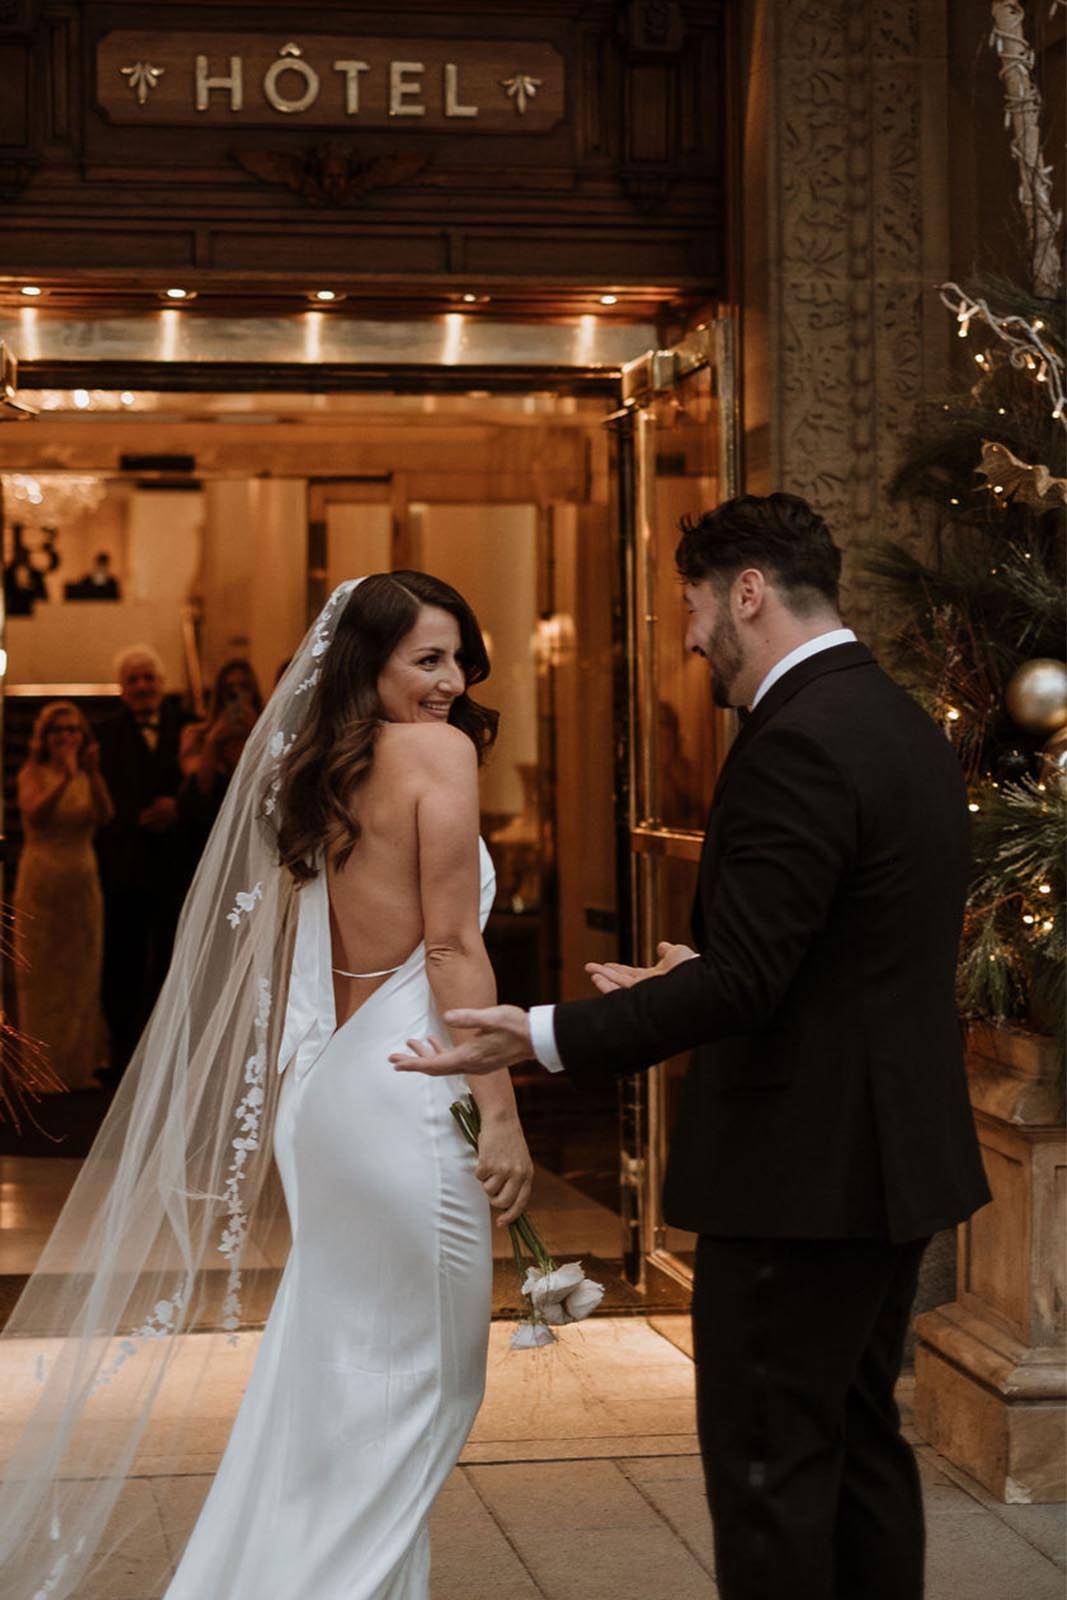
{"x":778,"y":533}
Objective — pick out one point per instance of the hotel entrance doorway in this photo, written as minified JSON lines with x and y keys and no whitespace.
{"x":560,"y":531}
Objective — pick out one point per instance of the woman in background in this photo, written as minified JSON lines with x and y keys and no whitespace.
{"x":59,"y":920}
{"x":211,"y":749}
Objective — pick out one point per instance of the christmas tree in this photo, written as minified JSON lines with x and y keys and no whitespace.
{"x":985,"y":618}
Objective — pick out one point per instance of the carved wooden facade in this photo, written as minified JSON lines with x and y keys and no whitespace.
{"x":856,"y":203}
{"x":624,"y":182}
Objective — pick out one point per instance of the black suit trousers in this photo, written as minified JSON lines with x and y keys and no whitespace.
{"x":814,"y":1494}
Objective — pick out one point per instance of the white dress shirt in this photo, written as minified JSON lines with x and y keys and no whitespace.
{"x":542,"y":1026}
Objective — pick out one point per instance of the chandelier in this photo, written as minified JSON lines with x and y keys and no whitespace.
{"x":50,"y":499}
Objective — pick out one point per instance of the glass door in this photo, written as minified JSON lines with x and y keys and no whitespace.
{"x":680,"y":458}
{"x":355,"y":525}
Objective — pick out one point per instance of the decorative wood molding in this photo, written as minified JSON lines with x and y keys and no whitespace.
{"x":331,"y":173}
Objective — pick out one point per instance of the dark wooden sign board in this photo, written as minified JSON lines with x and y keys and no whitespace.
{"x":185,"y":79}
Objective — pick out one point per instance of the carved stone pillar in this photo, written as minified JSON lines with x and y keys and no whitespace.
{"x":845,"y":236}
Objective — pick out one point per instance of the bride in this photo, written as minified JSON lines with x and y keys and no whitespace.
{"x":345,"y":872}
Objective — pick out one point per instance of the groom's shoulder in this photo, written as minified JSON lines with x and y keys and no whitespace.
{"x":863,"y":719}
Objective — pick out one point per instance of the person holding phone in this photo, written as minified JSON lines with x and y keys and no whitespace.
{"x":210,"y":750}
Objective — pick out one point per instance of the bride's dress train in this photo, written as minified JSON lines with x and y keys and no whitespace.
{"x":372,"y":1364}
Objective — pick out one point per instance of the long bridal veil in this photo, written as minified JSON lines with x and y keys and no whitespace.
{"x":166,"y":1227}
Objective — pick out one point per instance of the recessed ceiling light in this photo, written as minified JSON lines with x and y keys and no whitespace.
{"x":82,"y":399}
{"x":609,"y":299}
{"x":127,"y":397}
{"x":325,"y":294}
{"x":470,"y":299}
{"x":32,"y":290}
{"x":177,"y":294}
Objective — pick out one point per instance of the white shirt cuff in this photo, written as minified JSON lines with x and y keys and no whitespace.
{"x":543,"y":1037}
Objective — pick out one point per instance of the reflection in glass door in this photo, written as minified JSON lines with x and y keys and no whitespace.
{"x":681,"y":432}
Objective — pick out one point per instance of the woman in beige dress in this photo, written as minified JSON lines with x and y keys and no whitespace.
{"x":58,"y":906}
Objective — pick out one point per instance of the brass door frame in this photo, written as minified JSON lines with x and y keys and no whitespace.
{"x":644,"y":838}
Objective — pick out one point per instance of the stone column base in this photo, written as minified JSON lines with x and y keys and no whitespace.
{"x":995,"y":1407}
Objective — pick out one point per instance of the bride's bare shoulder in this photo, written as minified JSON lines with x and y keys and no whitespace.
{"x":435,"y":749}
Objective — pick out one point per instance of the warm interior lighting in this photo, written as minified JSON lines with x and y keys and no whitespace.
{"x":32,"y":290}
{"x":82,"y":399}
{"x":952,"y":714}
{"x":609,"y":299}
{"x":126,"y":397}
{"x":325,"y":294}
{"x":177,"y":294}
{"x":470,"y":299}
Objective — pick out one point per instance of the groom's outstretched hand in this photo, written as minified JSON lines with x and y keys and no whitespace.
{"x":501,"y":1039}
{"x":611,"y":975}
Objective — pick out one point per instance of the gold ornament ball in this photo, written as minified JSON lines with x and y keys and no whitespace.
{"x":1036,"y":696}
{"x":1054,"y":761}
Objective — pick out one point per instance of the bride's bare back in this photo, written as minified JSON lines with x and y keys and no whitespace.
{"x":414,"y":872}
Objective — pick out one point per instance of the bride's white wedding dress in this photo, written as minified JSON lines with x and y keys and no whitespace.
{"x":372,"y":1364}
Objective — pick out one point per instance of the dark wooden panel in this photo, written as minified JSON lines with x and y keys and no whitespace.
{"x":14,"y":94}
{"x":604,"y":257}
{"x":296,"y":248}
{"x":43,"y":246}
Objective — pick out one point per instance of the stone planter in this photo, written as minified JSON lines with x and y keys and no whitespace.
{"x":991,"y":1368}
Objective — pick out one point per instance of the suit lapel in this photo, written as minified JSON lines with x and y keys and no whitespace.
{"x":837,"y":659}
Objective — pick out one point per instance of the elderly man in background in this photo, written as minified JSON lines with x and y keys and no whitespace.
{"x":142,"y":864}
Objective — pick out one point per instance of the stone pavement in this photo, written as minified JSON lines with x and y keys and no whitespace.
{"x":581,"y":1481}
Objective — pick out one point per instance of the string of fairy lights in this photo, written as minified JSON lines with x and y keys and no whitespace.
{"x":1026,"y":350}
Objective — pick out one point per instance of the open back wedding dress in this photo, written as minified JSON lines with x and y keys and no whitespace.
{"x":371,"y":1366}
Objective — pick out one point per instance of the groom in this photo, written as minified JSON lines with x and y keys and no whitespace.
{"x":825,"y":1131}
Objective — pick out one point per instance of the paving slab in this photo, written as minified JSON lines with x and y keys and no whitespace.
{"x":471,"y":1555}
{"x":981,"y":1558}
{"x":613,"y":1564}
{"x":576,"y":1495}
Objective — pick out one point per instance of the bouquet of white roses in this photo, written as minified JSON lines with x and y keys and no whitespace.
{"x":556,"y":1295}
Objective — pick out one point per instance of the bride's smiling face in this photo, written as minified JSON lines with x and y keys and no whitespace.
{"x":424,"y":675}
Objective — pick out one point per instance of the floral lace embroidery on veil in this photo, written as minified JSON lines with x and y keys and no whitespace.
{"x":249,"y":1114}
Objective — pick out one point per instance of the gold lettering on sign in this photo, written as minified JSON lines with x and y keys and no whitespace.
{"x":402,"y":85}
{"x":290,"y":61}
{"x":521,"y":88}
{"x":452,"y":105}
{"x":143,"y":78}
{"x":234,"y":83}
{"x":351,"y":70}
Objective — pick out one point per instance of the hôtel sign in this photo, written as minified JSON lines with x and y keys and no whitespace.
{"x":443,"y":86}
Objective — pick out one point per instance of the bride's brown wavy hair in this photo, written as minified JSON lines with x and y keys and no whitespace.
{"x":334,"y":751}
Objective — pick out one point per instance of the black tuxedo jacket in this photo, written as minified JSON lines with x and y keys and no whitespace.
{"x":130,"y":856}
{"x":827,"y":1096}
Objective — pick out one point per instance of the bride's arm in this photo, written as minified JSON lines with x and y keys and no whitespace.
{"x":457,"y":964}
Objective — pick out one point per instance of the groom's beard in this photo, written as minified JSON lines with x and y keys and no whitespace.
{"x":723,"y":653}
